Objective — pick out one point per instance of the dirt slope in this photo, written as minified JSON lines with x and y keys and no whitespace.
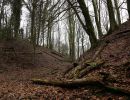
{"x":17,"y":67}
{"x":19,"y":54}
{"x":117,"y":44}
{"x":116,"y":55}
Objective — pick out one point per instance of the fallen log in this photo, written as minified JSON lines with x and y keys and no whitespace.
{"x":74,"y":71}
{"x":117,"y":90}
{"x":82,"y":82}
{"x":68,"y":83}
{"x":89,"y":68}
{"x":82,"y":70}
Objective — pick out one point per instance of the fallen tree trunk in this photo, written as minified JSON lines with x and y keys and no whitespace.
{"x":73,"y":73}
{"x":68,"y":83}
{"x":86,"y":70}
{"x":117,"y":90}
{"x":82,"y":70}
{"x":82,"y":82}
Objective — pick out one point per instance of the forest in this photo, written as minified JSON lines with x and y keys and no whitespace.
{"x":64,"y":49}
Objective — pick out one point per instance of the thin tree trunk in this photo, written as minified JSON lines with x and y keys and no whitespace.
{"x":95,"y":6}
{"x":71,"y":33}
{"x":82,"y":41}
{"x":59,"y":37}
{"x":128,"y":7}
{"x":113,"y":23}
{"x":118,"y":12}
{"x":78,"y":36}
{"x":39,"y":23}
{"x":33,"y":31}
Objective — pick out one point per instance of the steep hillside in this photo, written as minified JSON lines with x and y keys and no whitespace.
{"x":116,"y":46}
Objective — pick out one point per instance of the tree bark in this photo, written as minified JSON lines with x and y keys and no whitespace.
{"x":39,"y":22}
{"x":113,"y":23}
{"x":68,"y":83}
{"x":128,"y":7}
{"x":118,"y":12}
{"x":97,"y":16}
{"x":16,"y":8}
{"x":82,"y":70}
{"x":82,"y":82}
{"x":89,"y":25}
{"x":71,"y":33}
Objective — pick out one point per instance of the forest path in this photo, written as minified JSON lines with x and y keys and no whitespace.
{"x":17,"y":68}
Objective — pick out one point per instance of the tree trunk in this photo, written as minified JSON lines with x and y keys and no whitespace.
{"x":82,"y":82}
{"x":39,"y":22}
{"x":83,"y":69}
{"x":33,"y":22}
{"x":118,"y":12}
{"x":89,"y":25}
{"x":78,"y":42}
{"x":16,"y":8}
{"x":68,"y":83}
{"x":71,"y":34}
{"x":49,"y":33}
{"x":128,"y":7}
{"x":33,"y":30}
{"x":113,"y":23}
{"x":97,"y":16}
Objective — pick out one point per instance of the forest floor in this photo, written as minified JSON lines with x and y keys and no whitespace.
{"x":18,"y":66}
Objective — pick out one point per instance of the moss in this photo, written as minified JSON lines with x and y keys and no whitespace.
{"x":94,"y":63}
